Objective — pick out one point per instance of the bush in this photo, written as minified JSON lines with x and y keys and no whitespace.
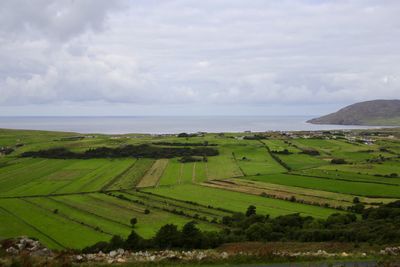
{"x":251,"y":210}
{"x":168,"y":237}
{"x":137,"y":151}
{"x":338,"y":161}
{"x":310,"y":151}
{"x":378,"y":225}
{"x":186,"y":159}
{"x":133,"y":222}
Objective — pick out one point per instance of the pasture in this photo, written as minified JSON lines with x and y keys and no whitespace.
{"x":234,"y":201}
{"x":74,"y":203}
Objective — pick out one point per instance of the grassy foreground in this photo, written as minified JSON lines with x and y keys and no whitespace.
{"x":76,"y":202}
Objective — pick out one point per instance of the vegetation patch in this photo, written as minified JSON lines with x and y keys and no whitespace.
{"x":136,"y":151}
{"x":154,"y":174}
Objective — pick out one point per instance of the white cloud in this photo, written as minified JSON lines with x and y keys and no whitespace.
{"x":198,"y":52}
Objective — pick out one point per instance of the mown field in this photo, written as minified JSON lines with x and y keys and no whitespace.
{"x":74,"y":203}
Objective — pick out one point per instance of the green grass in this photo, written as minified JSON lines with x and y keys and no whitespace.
{"x":51,"y":176}
{"x":182,"y":173}
{"x":302,"y":161}
{"x":238,"y":202}
{"x":62,"y":231}
{"x":327,"y":184}
{"x":12,"y":226}
{"x":87,"y":218}
{"x":172,"y":173}
{"x":253,"y":158}
{"x":37,"y":187}
{"x":223,"y":166}
{"x":348,"y":176}
{"x":121,"y":212}
{"x":386,"y":168}
{"x":133,"y":176}
{"x":154,"y":201}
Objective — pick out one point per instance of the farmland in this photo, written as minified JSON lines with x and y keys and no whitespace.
{"x":76,"y":202}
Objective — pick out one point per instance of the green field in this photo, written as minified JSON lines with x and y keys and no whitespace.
{"x":332,"y":185}
{"x":74,"y":203}
{"x":238,"y":202}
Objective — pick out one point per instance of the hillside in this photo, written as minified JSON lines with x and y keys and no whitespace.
{"x":375,"y":112}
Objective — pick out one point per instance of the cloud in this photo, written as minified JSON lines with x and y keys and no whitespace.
{"x":59,"y":20}
{"x":198,"y":52}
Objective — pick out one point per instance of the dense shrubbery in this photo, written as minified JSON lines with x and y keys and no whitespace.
{"x":186,"y":159}
{"x":6,"y":150}
{"x":378,"y":225}
{"x":137,"y":151}
{"x":338,"y":161}
{"x":255,"y":137}
{"x":189,"y":135}
{"x":310,"y":151}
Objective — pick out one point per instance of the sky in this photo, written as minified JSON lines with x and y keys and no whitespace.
{"x":190,"y":57}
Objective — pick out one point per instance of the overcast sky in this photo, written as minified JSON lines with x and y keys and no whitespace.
{"x":191,"y":57}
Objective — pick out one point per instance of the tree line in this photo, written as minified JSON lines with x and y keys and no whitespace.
{"x":136,"y":151}
{"x":376,"y":225}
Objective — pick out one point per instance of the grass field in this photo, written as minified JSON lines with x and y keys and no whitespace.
{"x":254,"y":159}
{"x":331,"y":185}
{"x":153,"y":175}
{"x":348,"y":176}
{"x":73,"y":203}
{"x":238,"y":202}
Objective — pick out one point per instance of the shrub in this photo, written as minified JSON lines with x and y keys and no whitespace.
{"x":338,"y":161}
{"x":133,"y":222}
{"x":310,"y":151}
{"x":251,"y":210}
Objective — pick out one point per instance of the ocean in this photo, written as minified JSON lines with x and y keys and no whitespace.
{"x":165,"y":125}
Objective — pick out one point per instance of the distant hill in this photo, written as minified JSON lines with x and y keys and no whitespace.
{"x":375,"y":112}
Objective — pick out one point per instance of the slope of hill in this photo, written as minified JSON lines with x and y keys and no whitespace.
{"x":375,"y":112}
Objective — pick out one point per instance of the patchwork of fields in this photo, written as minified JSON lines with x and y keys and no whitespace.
{"x":74,"y":203}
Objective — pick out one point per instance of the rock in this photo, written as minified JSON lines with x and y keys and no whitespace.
{"x":120,"y":251}
{"x":121,"y":260}
{"x":224,"y":255}
{"x":344,"y":254}
{"x":44,"y":252}
{"x":21,"y":246}
{"x":112,"y":253}
{"x":79,"y":257}
{"x":110,"y":261}
{"x":12,"y":250}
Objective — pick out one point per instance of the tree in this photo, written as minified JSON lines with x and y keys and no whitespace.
{"x":146,"y":211}
{"x":116,"y":242}
{"x":183,"y":135}
{"x":134,"y":241}
{"x":356,"y":200}
{"x":259,"y":231}
{"x":168,"y":236}
{"x":251,"y":210}
{"x":357,"y":208}
{"x":191,"y":235}
{"x":133,"y":222}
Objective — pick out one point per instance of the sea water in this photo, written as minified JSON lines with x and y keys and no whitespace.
{"x":164,"y":124}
